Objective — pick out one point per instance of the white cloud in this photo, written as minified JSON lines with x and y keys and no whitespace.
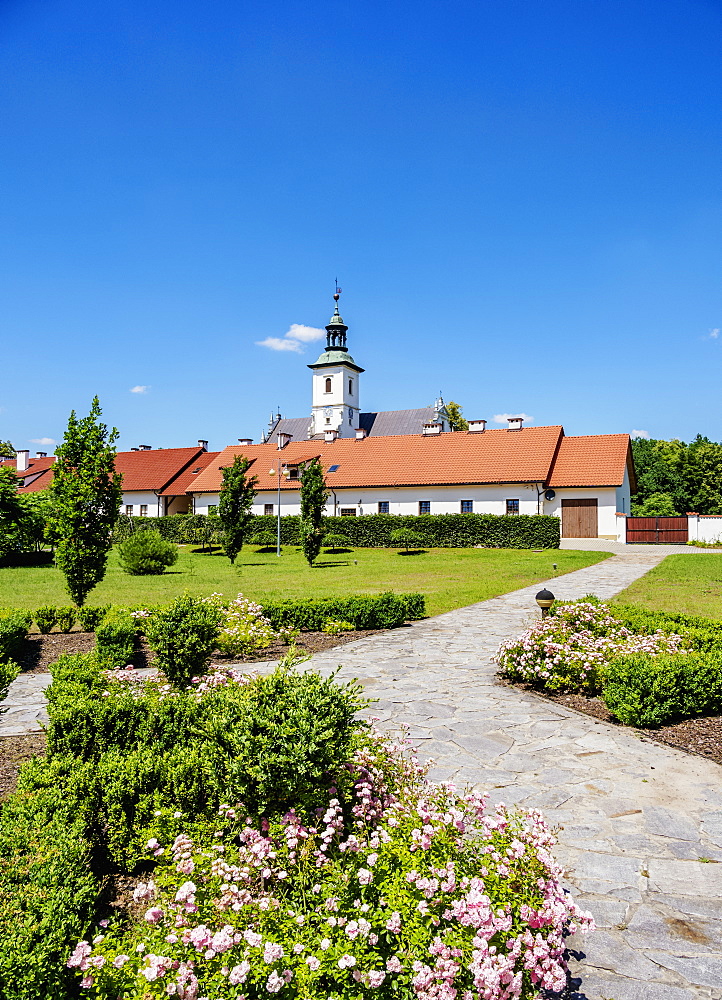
{"x":296,"y":335}
{"x":714,"y":334}
{"x":140,"y":388}
{"x":278,"y":344}
{"x":297,"y":331}
{"x":43,"y":441}
{"x":501,"y":418}
{"x":640,"y":434}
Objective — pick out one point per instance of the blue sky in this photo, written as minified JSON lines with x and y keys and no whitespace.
{"x":521,"y":201}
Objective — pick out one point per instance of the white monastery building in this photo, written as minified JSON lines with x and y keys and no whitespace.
{"x":411,"y":462}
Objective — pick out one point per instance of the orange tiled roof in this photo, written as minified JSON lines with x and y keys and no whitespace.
{"x":495,"y":456}
{"x":184,"y":482}
{"x":592,"y":460}
{"x":38,"y":471}
{"x":141,"y":470}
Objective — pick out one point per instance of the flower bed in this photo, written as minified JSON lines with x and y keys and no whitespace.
{"x":406,"y":889}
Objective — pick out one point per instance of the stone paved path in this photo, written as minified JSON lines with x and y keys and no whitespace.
{"x":636,"y":817}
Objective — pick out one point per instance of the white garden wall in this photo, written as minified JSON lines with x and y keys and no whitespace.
{"x":705,"y":527}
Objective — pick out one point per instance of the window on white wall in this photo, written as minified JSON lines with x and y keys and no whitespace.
{"x":512,"y":506}
{"x":350,"y":387}
{"x":348,"y":512}
{"x":383,"y":506}
{"x":424,"y":506}
{"x":144,"y":510}
{"x":328,"y":385}
{"x":129,"y":508}
{"x":268,"y":508}
{"x":467,"y":506}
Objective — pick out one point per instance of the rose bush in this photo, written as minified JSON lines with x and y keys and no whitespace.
{"x":568,"y":650}
{"x":399,"y":888}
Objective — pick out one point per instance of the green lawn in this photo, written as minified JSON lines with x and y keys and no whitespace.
{"x":450,"y":578}
{"x":688,"y":583}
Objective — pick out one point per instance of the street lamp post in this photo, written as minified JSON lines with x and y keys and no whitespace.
{"x":545,"y":599}
{"x":281,"y":470}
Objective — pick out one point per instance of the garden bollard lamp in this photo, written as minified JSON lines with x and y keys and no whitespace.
{"x":545,"y":599}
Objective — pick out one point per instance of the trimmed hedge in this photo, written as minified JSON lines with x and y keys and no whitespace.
{"x":13,"y":629}
{"x":642,"y":690}
{"x":362,"y":611}
{"x":493,"y":531}
{"x":699,"y":634}
{"x":115,"y":638}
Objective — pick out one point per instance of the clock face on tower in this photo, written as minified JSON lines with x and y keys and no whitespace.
{"x":328,"y":411}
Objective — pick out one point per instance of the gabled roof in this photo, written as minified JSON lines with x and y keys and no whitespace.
{"x":497,"y":456}
{"x":593,"y":460}
{"x":151,"y":471}
{"x":185,"y":481}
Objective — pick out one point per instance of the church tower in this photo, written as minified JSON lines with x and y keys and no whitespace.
{"x":336,"y":405}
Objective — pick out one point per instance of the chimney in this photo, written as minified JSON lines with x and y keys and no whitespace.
{"x":361,"y":433}
{"x":330,"y":435}
{"x":145,"y":447}
{"x":202,"y":444}
{"x":477,"y":425}
{"x":432,"y":427}
{"x":41,"y":454}
{"x":515,"y":423}
{"x":23,"y":460}
{"x":283,"y":440}
{"x":245,"y":441}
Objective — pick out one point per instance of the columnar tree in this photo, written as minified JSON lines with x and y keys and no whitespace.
{"x":313,"y":503}
{"x":238,"y":491}
{"x":86,"y":493}
{"x":454,"y":414}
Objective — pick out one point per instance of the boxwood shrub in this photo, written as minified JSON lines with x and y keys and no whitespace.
{"x":363,"y":611}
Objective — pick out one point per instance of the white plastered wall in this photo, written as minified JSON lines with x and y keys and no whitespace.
{"x":705,"y":528}
{"x":606,"y":498}
{"x":154,"y":503}
{"x":340,"y":403}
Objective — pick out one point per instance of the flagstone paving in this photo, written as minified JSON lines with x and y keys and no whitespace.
{"x":640,"y":824}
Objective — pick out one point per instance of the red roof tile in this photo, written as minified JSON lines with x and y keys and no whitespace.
{"x":592,"y":460}
{"x":184,"y":482}
{"x":496,"y":456}
{"x":141,"y":470}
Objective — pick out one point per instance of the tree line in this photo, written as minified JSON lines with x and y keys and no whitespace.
{"x":677,"y":478}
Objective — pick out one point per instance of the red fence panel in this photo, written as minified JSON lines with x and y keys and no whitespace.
{"x":657,"y":530}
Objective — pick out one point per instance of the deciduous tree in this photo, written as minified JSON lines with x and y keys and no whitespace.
{"x":20,"y":526}
{"x":456,"y":419}
{"x":238,"y":492}
{"x":86,"y":492}
{"x":314,"y":495}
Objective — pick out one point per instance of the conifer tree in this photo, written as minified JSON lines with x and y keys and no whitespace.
{"x":313,"y":503}
{"x":238,"y":492}
{"x":86,"y":495}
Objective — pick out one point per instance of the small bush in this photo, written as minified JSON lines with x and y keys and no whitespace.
{"x":243,"y":628}
{"x":333,"y":542}
{"x":145,"y":553}
{"x":89,"y":618}
{"x":65,"y":619}
{"x":363,"y":611}
{"x":45,"y":619}
{"x":650,"y":691}
{"x":13,"y":629}
{"x":264,"y":540}
{"x":8,"y":673}
{"x":183,"y":636}
{"x":407,"y":538}
{"x":115,"y":638}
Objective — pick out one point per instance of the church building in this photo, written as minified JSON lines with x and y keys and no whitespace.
{"x":411,"y":462}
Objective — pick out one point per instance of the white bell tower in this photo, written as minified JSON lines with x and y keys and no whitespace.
{"x":336,"y":405}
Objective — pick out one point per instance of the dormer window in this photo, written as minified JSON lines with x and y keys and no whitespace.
{"x":328,"y":385}
{"x":293,"y":472}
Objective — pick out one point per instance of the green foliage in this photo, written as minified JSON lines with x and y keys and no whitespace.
{"x":115,"y":638}
{"x":238,"y":491}
{"x":364,"y":611}
{"x":333,"y":542}
{"x":690,"y":475}
{"x":655,"y":505}
{"x":288,"y":739}
{"x":698,"y":634}
{"x":649,"y":691}
{"x":407,"y":539}
{"x":20,"y":525}
{"x":13,"y":629}
{"x":145,"y":553}
{"x":88,"y":618}
{"x":7,"y":450}
{"x":183,"y":636}
{"x":8,"y":673}
{"x":45,"y":618}
{"x":456,"y":419}
{"x":314,"y":495}
{"x":65,"y":619}
{"x":86,"y":493}
{"x":333,"y":626}
{"x":264,"y":540}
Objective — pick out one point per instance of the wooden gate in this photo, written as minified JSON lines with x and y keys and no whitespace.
{"x":657,"y":530}
{"x":579,"y":518}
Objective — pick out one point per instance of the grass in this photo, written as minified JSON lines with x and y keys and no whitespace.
{"x":450,"y":578}
{"x":688,"y":583}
